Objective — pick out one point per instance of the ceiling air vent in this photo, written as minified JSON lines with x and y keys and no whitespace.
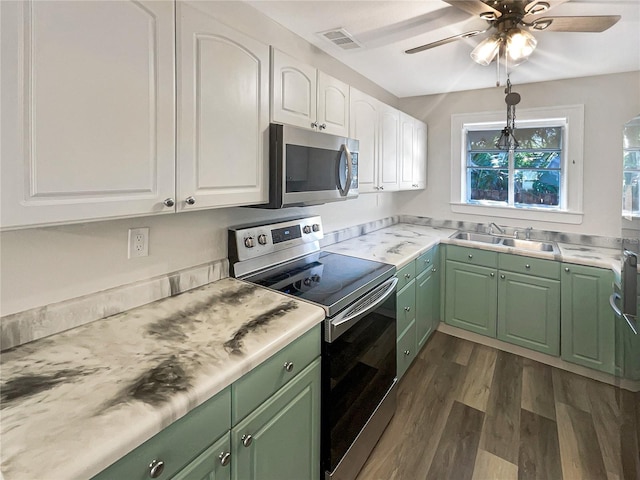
{"x":341,"y":38}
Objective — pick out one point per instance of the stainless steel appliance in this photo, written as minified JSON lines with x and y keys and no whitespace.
{"x":359,"y":334}
{"x":307,"y":167}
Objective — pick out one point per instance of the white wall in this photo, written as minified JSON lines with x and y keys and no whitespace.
{"x":45,"y":265}
{"x":609,"y":102}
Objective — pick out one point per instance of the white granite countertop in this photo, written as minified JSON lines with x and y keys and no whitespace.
{"x":75,"y":402}
{"x":401,"y":243}
{"x":398,"y":244}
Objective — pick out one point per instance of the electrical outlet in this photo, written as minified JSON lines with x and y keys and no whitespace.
{"x":138,"y":242}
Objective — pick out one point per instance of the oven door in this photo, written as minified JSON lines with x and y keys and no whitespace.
{"x":359,"y":370}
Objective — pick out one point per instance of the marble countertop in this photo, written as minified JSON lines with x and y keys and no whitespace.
{"x":401,"y":243}
{"x":75,"y":402}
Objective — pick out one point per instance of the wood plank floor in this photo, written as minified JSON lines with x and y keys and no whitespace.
{"x":467,"y":411}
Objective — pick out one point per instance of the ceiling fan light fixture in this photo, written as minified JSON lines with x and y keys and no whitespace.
{"x":520,"y":44}
{"x":486,"y":50}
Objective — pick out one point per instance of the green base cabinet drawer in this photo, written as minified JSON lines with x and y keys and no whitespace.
{"x":405,"y":275}
{"x":529,"y":266}
{"x":264,"y":380}
{"x":471,"y":297}
{"x":588,"y":323}
{"x":426,"y":260}
{"x":212,"y":464}
{"x":281,"y":438}
{"x":529,"y":312}
{"x":472,"y":256}
{"x":178,"y":444}
{"x":406,"y":349}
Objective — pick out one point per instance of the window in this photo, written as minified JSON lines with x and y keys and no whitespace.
{"x":530,"y":176}
{"x":540,"y":180}
{"x":631,"y":169}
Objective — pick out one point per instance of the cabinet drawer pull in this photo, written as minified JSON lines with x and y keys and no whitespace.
{"x":407,"y":309}
{"x":470,"y":256}
{"x":407,"y":275}
{"x":407,"y":352}
{"x":190,"y":200}
{"x":225,"y":458}
{"x":566,"y":269}
{"x":246,"y":440}
{"x":169,"y":202}
{"x":434,"y":269}
{"x":288,"y":366}
{"x":502,"y":277}
{"x":427,"y":260}
{"x":527,"y":266}
{"x":156,"y":467}
{"x":492,"y":274}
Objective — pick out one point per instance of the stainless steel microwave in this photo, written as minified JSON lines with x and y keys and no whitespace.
{"x":307,"y":167}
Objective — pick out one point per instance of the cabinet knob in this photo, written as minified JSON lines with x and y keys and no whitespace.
{"x":427,"y":260}
{"x":502,"y":277}
{"x":169,"y":202}
{"x":156,"y":467}
{"x":323,"y":126}
{"x":470,"y":256}
{"x":492,"y":274}
{"x":246,"y":440}
{"x":314,"y":125}
{"x":434,"y":269}
{"x":381,"y":188}
{"x":407,"y":309}
{"x":407,"y":352}
{"x":288,"y":366}
{"x":407,"y":275}
{"x":225,"y":458}
{"x":190,"y":200}
{"x":527,"y":266}
{"x":566,"y":269}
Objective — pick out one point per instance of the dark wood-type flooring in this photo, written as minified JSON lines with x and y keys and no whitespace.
{"x":467,"y":411}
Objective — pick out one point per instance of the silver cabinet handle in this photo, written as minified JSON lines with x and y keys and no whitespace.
{"x":407,"y":309}
{"x":407,"y":352}
{"x":492,"y":274}
{"x":288,"y":366}
{"x":225,"y":458}
{"x":381,"y":188}
{"x":434,"y":269}
{"x":470,"y":256}
{"x":527,"y":266}
{"x":246,"y":440}
{"x":323,"y":126}
{"x":566,"y":269}
{"x":407,"y":275}
{"x":427,"y":260}
{"x":190,"y":200}
{"x":169,"y":202}
{"x":502,"y":277}
{"x":156,"y":467}
{"x":314,"y":125}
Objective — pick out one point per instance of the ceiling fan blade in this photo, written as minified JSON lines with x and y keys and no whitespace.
{"x":575,"y":24}
{"x":476,"y":7}
{"x":444,"y":41}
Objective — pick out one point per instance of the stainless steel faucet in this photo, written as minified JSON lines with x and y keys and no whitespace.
{"x":492,"y":225}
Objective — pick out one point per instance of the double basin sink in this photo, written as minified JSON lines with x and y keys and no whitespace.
{"x":517,"y":243}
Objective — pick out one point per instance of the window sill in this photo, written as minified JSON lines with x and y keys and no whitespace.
{"x":574,"y":218}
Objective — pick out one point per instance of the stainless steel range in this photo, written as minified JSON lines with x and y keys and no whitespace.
{"x":359,"y":347}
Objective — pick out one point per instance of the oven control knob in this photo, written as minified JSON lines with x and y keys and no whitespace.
{"x":248,"y":242}
{"x":306,"y":229}
{"x":307,"y":281}
{"x":315,"y":278}
{"x":262,"y":239}
{"x":316,"y":227}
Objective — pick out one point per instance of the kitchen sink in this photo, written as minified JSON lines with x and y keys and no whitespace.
{"x":477,"y":237}
{"x":528,"y":245}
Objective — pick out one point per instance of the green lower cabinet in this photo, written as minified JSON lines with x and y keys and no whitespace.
{"x":588,"y":323}
{"x":529,"y":312}
{"x":281,"y":438}
{"x":407,"y":349}
{"x":212,"y":464}
{"x":427,"y":304}
{"x":471,"y":297}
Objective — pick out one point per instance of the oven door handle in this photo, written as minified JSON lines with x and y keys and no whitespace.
{"x":341,"y":324}
{"x":613,"y":301}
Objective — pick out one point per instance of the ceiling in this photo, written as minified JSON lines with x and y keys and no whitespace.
{"x":385,"y":29}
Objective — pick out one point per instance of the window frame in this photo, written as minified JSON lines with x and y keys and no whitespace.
{"x":629,"y":214}
{"x":571,"y":118}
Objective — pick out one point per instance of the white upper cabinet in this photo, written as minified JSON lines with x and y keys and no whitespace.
{"x":305,"y":97}
{"x":223,"y":113}
{"x":88,"y":110}
{"x":377,"y":127}
{"x":413,"y":156}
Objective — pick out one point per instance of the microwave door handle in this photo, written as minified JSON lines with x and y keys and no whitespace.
{"x":344,"y":191}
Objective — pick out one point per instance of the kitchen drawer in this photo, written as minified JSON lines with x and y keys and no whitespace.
{"x":406,"y":349}
{"x":255,"y":387}
{"x":406,"y":306}
{"x":425,"y":260}
{"x":178,"y":444}
{"x":406,"y":274}
{"x":529,"y":266}
{"x":472,"y":256}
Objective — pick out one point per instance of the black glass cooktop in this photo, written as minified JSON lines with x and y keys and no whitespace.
{"x":330,"y":280}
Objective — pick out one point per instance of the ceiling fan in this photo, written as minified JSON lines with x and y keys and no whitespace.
{"x":513,"y":21}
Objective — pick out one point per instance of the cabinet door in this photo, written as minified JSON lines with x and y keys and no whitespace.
{"x":87,"y":110}
{"x":293,"y":91}
{"x":406,"y":349}
{"x":281,"y":438}
{"x":389,"y":148}
{"x":529,"y":312}
{"x":471,"y":297}
{"x":363,"y":126}
{"x":588,"y":323}
{"x":420,"y":155}
{"x":223,"y":115}
{"x":427,"y":304}
{"x":333,"y":105}
{"x":407,"y":145}
{"x":212,"y":464}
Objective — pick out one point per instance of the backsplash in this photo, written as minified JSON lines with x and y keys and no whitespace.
{"x":29,"y":325}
